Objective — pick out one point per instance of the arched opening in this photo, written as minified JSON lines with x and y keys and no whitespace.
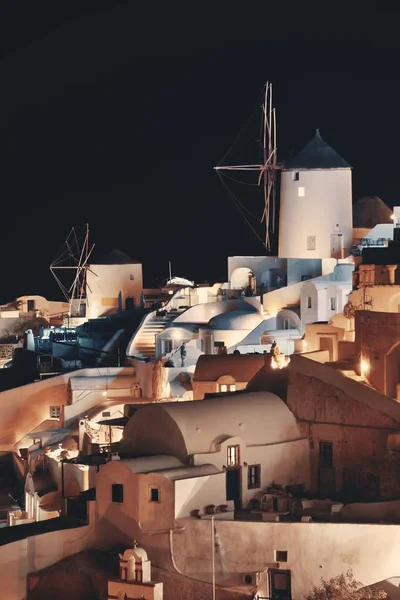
{"x":240,"y":278}
{"x":392,"y":370}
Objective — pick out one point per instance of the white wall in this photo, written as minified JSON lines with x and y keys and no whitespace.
{"x":327,"y":201}
{"x":48,"y":308}
{"x":199,"y":492}
{"x":285,"y":463}
{"x":106,"y":282}
{"x":314,"y":550}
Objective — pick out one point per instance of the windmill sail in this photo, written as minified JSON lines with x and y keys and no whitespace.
{"x":266,"y":168}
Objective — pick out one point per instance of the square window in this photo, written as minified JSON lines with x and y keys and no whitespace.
{"x":154,"y":495}
{"x":326,"y":454}
{"x":233,"y":456}
{"x":131,"y":277}
{"x":117,"y":493}
{"x":296,"y":176}
{"x":280,"y":555}
{"x":55,"y":412}
{"x":311,"y":242}
{"x":232,"y":387}
{"x":333,"y":303}
{"x":309,"y":302}
{"x":301,"y":192}
{"x":223,"y":387}
{"x":254,"y":477}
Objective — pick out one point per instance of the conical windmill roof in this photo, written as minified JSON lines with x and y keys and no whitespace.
{"x":317,"y":154}
{"x":369,"y":211}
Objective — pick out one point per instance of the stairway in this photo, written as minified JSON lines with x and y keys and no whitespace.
{"x":143,"y":343}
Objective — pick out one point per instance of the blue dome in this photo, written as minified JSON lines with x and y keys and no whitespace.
{"x":247,"y":320}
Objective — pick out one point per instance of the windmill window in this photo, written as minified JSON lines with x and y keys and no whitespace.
{"x":296,"y":176}
{"x":131,"y":277}
{"x":154,"y":494}
{"x":301,"y":192}
{"x":309,"y":302}
{"x":117,"y":493}
{"x":333,"y":303}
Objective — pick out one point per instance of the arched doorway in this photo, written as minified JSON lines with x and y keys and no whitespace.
{"x":240,"y":278}
{"x":392,"y":370}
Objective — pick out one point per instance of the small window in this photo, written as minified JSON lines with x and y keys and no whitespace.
{"x":280,"y":555}
{"x":223,"y":387}
{"x":31,"y":305}
{"x":311,"y":242}
{"x":309,"y":302}
{"x":301,"y":192}
{"x":55,"y":412}
{"x":326,"y":454}
{"x":154,"y":495}
{"x":232,"y":387}
{"x":333,"y":303}
{"x":167,"y":346}
{"x":233,"y":456}
{"x":254,"y":477}
{"x":117,"y":493}
{"x":106,"y":414}
{"x":296,"y":176}
{"x":131,"y":277}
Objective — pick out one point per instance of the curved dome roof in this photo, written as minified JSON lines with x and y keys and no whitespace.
{"x":236,"y":319}
{"x":184,"y":428}
{"x":369,"y":211}
{"x":317,"y":154}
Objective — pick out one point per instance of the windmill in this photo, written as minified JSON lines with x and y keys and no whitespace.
{"x":267,"y":169}
{"x":70,"y":266}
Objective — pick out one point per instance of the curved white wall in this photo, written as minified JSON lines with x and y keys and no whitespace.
{"x":327,"y":201}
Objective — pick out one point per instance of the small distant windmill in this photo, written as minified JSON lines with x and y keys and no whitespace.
{"x":70,"y":266}
{"x":267,"y":170}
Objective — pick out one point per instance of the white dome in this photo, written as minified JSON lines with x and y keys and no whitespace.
{"x":236,"y":320}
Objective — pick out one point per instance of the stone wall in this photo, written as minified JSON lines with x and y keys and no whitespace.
{"x":363,"y":467}
{"x":377,"y":333}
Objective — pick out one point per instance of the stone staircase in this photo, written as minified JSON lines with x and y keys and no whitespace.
{"x":143,"y":343}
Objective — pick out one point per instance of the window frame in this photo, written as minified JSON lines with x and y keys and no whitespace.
{"x":333,"y":303}
{"x":326,"y":455}
{"x":57,"y":409}
{"x":254,"y":477}
{"x":117,"y":493}
{"x":157,"y":489}
{"x":236,"y":455}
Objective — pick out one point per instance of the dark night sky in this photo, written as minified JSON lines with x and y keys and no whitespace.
{"x":115,"y":116}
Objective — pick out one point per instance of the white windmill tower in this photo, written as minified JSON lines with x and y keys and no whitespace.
{"x":315,"y":200}
{"x":316,"y":218}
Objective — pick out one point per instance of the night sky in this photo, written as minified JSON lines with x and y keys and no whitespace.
{"x":116,"y":115}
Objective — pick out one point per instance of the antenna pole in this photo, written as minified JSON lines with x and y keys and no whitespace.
{"x":170,"y":269}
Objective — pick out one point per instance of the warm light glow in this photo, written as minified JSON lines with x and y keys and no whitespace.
{"x":279,"y":361}
{"x":364,"y":366}
{"x":104,"y":393}
{"x":392,"y":217}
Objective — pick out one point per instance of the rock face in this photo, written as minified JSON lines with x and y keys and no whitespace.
{"x":82,"y":576}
